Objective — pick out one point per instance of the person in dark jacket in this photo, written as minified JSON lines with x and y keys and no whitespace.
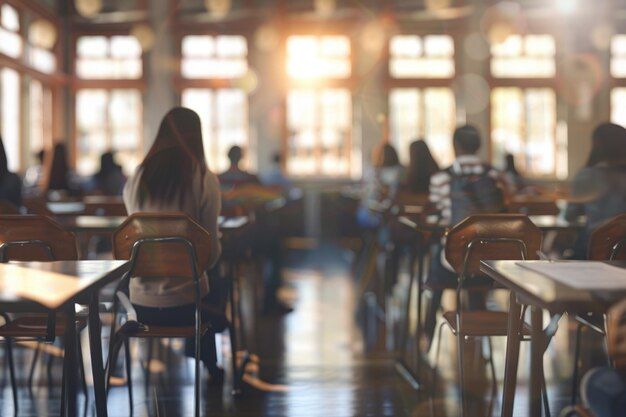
{"x":10,"y":183}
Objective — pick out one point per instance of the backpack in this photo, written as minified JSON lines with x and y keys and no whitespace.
{"x":474,"y":194}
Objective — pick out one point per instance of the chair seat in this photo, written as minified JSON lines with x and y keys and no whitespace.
{"x":36,"y":326}
{"x":482,"y":323}
{"x":166,"y":331}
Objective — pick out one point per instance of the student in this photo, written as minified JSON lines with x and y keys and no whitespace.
{"x":275,"y":177}
{"x":109,"y":180}
{"x":380,"y":183}
{"x":514,"y":180}
{"x":422,"y":166}
{"x":467,"y":187}
{"x":599,"y":189}
{"x":174,"y":177}
{"x":60,"y":178}
{"x":235,"y":176}
{"x":10,"y":183}
{"x":33,"y":175}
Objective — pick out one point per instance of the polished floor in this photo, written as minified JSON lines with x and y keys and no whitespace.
{"x":331,"y":357}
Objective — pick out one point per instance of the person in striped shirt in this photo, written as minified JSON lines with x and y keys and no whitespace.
{"x":452,"y":207}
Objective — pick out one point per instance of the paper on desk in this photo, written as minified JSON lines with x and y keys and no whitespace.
{"x":584,"y":275}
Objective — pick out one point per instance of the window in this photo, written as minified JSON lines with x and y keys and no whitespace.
{"x":412,"y":56}
{"x":423,"y":114}
{"x":10,"y":111}
{"x":40,"y":122}
{"x":618,"y":73}
{"x":223,"y":109}
{"x":319,"y":123}
{"x":214,"y":56}
{"x":224,"y":121}
{"x":319,"y":116}
{"x":618,"y":56}
{"x":523,"y":119}
{"x":316,"y":57}
{"x":529,"y":56}
{"x":108,"y":120}
{"x":523,"y":122}
{"x":113,"y":58}
{"x":10,"y":40}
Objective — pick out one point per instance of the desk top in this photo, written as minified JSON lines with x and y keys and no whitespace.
{"x":53,"y":284}
{"x":545,"y":223}
{"x":534,"y":288}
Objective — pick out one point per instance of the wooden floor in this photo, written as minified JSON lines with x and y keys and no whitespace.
{"x":322,"y":360}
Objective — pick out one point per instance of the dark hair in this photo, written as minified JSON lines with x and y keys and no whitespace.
{"x":107,"y":166}
{"x":608,"y":144}
{"x":177,"y":151}
{"x":40,"y":156}
{"x":509,"y":162}
{"x":235,"y":154}
{"x":422,"y":166}
{"x":466,"y":139}
{"x":4,"y":163}
{"x":277,"y":158}
{"x":389,"y":156}
{"x":59,"y":169}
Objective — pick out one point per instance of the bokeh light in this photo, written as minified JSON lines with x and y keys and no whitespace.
{"x":373,"y":37}
{"x":437,"y":4}
{"x":325,"y":7}
{"x":42,"y":33}
{"x":601,"y":36}
{"x":267,"y":38}
{"x":218,"y":8}
{"x":145,"y":36}
{"x":88,"y":8}
{"x":475,"y":92}
{"x":476,"y":46}
{"x":501,"y":21}
{"x":249,"y":82}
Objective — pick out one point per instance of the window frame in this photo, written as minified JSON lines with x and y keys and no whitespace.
{"x":525,"y":83}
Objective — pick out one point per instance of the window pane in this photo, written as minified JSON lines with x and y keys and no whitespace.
{"x":618,"y":106}
{"x":214,"y":57}
{"x":524,"y":56}
{"x":201,"y":101}
{"x":414,"y":57}
{"x":315,"y":57}
{"x":618,"y":56}
{"x":429,"y":114}
{"x":10,"y":90}
{"x":42,"y":59}
{"x":91,"y":128}
{"x":100,"y":57}
{"x":10,"y":43}
{"x":319,"y":123}
{"x":10,"y":18}
{"x":524,"y":124}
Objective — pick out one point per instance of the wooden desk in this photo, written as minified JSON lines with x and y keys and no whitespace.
{"x":57,"y":286}
{"x":540,"y":292}
{"x":545,"y":223}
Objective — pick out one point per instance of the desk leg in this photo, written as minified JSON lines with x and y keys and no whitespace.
{"x":512,"y":356}
{"x":70,"y":370}
{"x":95,"y":348}
{"x":537,"y":347}
{"x":421,"y":255}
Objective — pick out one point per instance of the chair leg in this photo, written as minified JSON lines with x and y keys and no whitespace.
{"x":115,"y":345}
{"x":494,"y":380}
{"x":9,"y":343}
{"x":434,"y":371}
{"x":544,"y":396}
{"x":197,"y":376}
{"x":460,"y":351}
{"x":129,"y":375}
{"x":147,"y":372}
{"x":81,"y":364}
{"x":33,"y":366}
{"x":579,"y":329}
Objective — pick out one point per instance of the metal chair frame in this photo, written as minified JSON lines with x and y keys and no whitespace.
{"x":115,"y":343}
{"x":462,"y":278}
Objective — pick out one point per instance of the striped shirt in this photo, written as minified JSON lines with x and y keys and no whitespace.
{"x":440,"y":183}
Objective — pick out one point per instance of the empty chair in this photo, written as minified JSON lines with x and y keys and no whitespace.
{"x":483,"y":237}
{"x":174,"y":247}
{"x":33,"y":238}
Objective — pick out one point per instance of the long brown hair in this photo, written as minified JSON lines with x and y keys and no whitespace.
{"x":422,"y":166}
{"x":168,"y":168}
{"x":59,"y":169}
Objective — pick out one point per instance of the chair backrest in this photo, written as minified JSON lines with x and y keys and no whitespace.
{"x":31,"y":238}
{"x":491,"y":237}
{"x":6,"y":207}
{"x":36,"y":205}
{"x":165,"y":258}
{"x":608,"y":241}
{"x":616,"y":335}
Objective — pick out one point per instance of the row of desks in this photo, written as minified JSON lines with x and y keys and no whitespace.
{"x":58,"y":286}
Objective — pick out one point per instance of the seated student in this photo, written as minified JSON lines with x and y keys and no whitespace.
{"x":235,"y":176}
{"x":10,"y":183}
{"x":174,"y":177}
{"x":599,"y":189}
{"x":109,"y":180}
{"x":422,"y":167}
{"x":467,"y":187}
{"x":513,"y":179}
{"x":34,"y":173}
{"x":61,"y":180}
{"x":274,"y":177}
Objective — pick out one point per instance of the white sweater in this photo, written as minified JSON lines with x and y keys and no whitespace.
{"x":202,"y":204}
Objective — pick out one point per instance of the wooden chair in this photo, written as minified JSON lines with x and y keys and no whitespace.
{"x":33,"y":238}
{"x":608,"y":241}
{"x":6,"y":207}
{"x":483,"y":237}
{"x":161,"y":245}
